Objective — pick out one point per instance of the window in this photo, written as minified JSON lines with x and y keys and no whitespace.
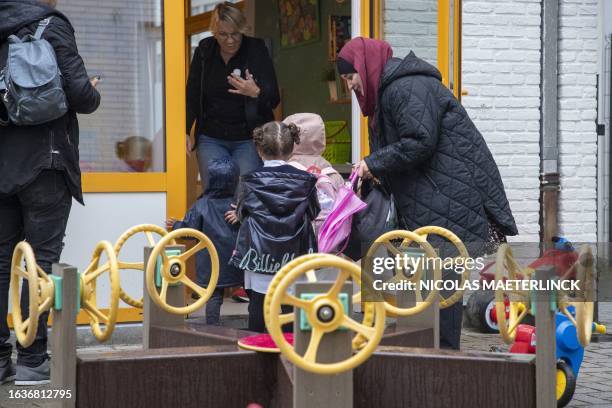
{"x":122,"y":42}
{"x":204,"y":6}
{"x":196,"y":38}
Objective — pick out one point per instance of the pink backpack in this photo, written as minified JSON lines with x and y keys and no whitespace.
{"x":326,"y":190}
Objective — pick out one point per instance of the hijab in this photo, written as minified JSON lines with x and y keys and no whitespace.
{"x":368,"y":57}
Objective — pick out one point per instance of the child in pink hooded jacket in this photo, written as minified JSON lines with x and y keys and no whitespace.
{"x":307,"y":156}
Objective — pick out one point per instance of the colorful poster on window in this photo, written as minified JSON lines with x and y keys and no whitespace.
{"x":299,"y":22}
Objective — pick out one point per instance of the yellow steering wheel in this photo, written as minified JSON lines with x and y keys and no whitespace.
{"x":368,"y":308}
{"x":278,"y":294}
{"x":40,"y":288}
{"x":583,"y":304}
{"x":88,"y":291}
{"x":518,"y":309}
{"x":460,"y":259}
{"x":42,"y":292}
{"x":148,"y":230}
{"x":174,"y":270}
{"x":430,"y":253}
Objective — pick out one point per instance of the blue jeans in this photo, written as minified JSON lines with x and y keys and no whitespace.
{"x":38,"y":213}
{"x":243,"y":152}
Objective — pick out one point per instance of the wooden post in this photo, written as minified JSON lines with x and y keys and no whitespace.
{"x":153,"y":315}
{"x":314,"y":390}
{"x":63,"y":336}
{"x":429,"y":318}
{"x":546,"y":360}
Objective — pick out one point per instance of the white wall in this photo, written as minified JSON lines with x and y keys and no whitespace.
{"x":501,"y":72}
{"x":607,"y":16}
{"x":105,"y":217}
{"x":604,"y":118}
{"x":413,"y":25}
{"x":578,"y":57}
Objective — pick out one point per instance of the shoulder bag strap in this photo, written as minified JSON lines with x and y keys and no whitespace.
{"x":42,"y":25}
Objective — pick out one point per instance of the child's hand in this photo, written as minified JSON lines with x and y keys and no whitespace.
{"x":170,"y":223}
{"x":230,"y":216}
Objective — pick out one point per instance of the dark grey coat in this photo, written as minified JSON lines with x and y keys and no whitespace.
{"x":430,"y":154}
{"x":27,"y":150}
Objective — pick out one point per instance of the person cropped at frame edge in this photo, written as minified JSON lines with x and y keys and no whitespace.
{"x":40,"y":176}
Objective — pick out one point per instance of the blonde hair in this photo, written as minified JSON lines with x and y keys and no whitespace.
{"x":230,"y":14}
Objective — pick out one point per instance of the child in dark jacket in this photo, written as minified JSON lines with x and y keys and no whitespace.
{"x":276,"y":206}
{"x":207,"y":215}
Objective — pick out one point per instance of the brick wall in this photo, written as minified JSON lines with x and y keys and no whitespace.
{"x":412,"y":25}
{"x":501,"y":73}
{"x":578,"y":67}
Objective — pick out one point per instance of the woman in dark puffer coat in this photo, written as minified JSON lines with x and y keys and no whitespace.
{"x":428,"y":152}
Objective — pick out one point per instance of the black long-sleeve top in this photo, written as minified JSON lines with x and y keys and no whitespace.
{"x":207,"y":81}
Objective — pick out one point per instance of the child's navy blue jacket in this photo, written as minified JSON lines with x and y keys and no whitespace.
{"x":207,"y":215}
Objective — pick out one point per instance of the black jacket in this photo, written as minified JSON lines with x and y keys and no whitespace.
{"x":429,"y":152}
{"x":25,"y":151}
{"x":207,"y":215}
{"x":257,"y":110}
{"x":276,"y":206}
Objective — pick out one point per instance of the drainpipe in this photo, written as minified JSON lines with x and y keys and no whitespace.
{"x":549,"y":140}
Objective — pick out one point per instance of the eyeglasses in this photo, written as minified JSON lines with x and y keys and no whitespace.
{"x":226,"y":36}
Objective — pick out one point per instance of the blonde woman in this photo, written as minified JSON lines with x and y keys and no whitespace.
{"x":231,"y":90}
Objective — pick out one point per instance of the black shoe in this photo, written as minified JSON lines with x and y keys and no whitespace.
{"x":7,"y":371}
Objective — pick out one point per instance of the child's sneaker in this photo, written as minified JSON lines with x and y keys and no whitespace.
{"x":33,"y":375}
{"x":240,"y":296}
{"x":7,"y":371}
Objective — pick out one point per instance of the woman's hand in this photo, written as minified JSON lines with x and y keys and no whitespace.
{"x":246,"y":87}
{"x":364,"y":172}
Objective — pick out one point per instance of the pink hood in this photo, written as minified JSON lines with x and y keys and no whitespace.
{"x":312,"y":143}
{"x":312,"y":134}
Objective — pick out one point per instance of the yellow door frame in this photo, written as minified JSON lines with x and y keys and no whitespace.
{"x":444,"y":39}
{"x":173,"y":180}
{"x":372,"y":26}
{"x":175,"y":79}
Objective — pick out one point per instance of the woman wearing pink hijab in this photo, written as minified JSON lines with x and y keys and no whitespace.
{"x":429,"y":154}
